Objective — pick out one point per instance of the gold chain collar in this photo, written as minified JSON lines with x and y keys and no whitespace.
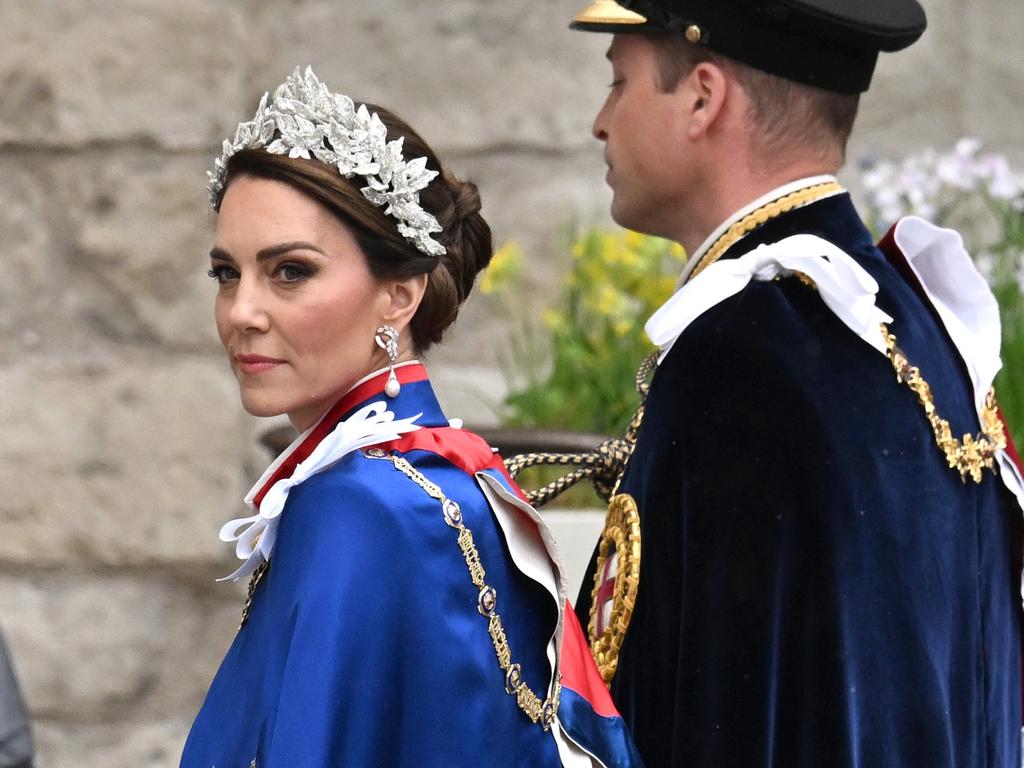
{"x":538,"y":710}
{"x":756,"y":218}
{"x":973,"y":453}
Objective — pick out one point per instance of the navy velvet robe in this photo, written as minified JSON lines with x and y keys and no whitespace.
{"x":817,"y":587}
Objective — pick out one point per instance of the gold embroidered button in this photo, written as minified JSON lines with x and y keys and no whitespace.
{"x":694,"y":33}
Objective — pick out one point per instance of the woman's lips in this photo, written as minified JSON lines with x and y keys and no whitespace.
{"x":256,"y":363}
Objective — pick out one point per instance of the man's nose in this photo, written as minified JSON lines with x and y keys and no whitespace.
{"x":600,"y":120}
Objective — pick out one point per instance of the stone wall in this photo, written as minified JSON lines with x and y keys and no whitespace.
{"x":123,"y":446}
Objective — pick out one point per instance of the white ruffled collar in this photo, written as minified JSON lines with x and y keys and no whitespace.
{"x":254,"y":535}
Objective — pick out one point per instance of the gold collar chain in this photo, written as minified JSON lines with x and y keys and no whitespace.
{"x":538,"y":710}
{"x":756,"y":218}
{"x":973,"y":453}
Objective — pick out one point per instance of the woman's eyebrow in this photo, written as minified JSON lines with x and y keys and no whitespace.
{"x":276,"y":250}
{"x":221,"y":255}
{"x":269,"y":252}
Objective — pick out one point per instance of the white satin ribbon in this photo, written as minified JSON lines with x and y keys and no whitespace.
{"x":845,"y":286}
{"x":255,"y":535}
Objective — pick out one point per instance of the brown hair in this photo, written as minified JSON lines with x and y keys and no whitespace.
{"x":453,"y":202}
{"x":787,"y":114}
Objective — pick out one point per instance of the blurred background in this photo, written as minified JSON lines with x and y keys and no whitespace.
{"x":122,"y":444}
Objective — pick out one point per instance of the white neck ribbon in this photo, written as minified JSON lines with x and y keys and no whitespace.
{"x":255,"y":535}
{"x":845,"y":286}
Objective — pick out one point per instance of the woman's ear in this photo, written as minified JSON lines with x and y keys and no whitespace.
{"x":402,"y":299}
{"x":706,"y":86}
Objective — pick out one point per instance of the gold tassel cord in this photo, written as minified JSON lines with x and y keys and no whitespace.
{"x":603,"y":466}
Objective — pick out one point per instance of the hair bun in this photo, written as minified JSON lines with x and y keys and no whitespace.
{"x":470,"y":236}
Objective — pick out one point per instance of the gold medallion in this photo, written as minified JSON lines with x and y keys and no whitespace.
{"x":616,"y":579}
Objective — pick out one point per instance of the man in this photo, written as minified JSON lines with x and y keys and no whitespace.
{"x":805,"y":564}
{"x":15,"y":731}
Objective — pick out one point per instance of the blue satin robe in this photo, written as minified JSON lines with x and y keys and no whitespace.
{"x":364,"y":646}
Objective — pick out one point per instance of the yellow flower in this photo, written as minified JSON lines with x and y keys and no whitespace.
{"x":621,"y":327}
{"x":553,"y":319}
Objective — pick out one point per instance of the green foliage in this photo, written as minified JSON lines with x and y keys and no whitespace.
{"x":1006,"y":277}
{"x":575,"y":369}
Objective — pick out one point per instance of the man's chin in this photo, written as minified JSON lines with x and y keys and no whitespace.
{"x":626,"y":217}
{"x":621,"y":213}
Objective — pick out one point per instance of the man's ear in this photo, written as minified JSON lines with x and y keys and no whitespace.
{"x":402,"y":299}
{"x":706,"y":87}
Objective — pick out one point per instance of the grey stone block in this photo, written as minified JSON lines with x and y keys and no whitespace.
{"x":109,"y":248}
{"x":468,"y":74}
{"x":95,"y":648}
{"x":149,"y":744}
{"x":74,"y":74}
{"x":124,"y":460}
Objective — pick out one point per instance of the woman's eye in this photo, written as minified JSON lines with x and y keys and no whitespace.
{"x":223,"y":273}
{"x":292,"y":273}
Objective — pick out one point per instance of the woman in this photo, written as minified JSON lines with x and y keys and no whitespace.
{"x":405,"y":606}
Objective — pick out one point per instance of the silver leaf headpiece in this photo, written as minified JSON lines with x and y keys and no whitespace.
{"x":304,"y":119}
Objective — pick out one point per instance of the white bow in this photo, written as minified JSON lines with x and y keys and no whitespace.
{"x":845,"y":286}
{"x":254,"y":536}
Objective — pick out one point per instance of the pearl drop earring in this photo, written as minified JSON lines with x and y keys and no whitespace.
{"x":386,"y":338}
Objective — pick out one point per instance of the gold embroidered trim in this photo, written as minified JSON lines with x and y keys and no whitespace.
{"x":756,"y":218}
{"x":971,"y":454}
{"x":539,"y":711}
{"x":621,"y":532}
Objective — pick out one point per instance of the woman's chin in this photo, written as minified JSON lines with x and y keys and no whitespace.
{"x":259,"y":406}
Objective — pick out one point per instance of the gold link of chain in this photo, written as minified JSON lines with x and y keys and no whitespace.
{"x":538,"y":710}
{"x":972,"y":454}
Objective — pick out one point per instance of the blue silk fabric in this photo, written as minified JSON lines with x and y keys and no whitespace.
{"x":364,"y":645}
{"x":817,"y":587}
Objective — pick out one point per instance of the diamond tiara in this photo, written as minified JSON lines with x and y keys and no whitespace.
{"x":305,"y":119}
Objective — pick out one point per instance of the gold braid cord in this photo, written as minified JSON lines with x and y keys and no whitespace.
{"x":539,"y":710}
{"x":755,"y":219}
{"x":971,"y":454}
{"x":603,"y":466}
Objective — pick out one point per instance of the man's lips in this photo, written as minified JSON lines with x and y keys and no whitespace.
{"x":256,"y":363}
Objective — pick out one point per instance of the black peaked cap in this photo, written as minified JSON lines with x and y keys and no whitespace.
{"x":831,"y":44}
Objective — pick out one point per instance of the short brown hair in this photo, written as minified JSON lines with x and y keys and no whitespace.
{"x":787,"y":113}
{"x":455,"y":204}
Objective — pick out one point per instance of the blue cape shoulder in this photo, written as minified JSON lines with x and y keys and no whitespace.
{"x":366,"y":626}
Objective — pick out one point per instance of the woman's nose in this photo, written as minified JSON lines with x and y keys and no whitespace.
{"x":248,"y":312}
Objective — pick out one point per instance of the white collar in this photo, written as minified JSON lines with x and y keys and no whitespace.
{"x":775,"y":194}
{"x":255,"y":535}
